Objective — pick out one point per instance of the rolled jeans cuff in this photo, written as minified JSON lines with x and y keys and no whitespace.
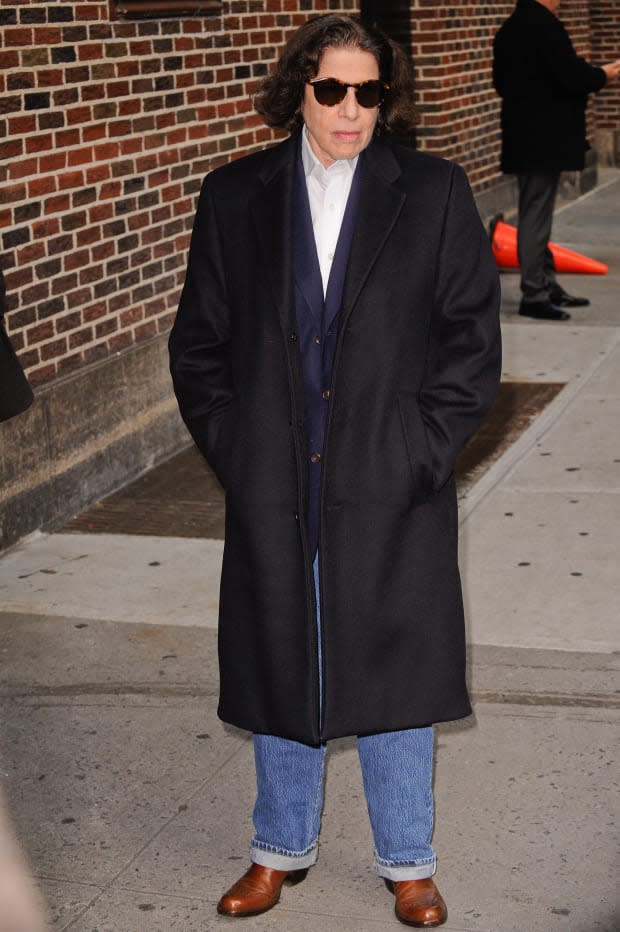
{"x":417,"y":871}
{"x":283,"y":860}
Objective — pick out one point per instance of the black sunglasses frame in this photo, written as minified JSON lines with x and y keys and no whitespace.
{"x":337,"y":88}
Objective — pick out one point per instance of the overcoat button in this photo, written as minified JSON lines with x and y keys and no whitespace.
{"x":292,"y":336}
{"x":315,"y":458}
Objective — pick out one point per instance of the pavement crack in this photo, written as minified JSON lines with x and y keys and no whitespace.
{"x":577,"y":700}
{"x":172,"y":690}
{"x":108,"y":689}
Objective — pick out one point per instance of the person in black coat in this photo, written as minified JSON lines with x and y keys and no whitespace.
{"x":337,"y":341}
{"x":15,"y":392}
{"x":544,"y":86}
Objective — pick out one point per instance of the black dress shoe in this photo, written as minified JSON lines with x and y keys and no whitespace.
{"x":562,"y":298}
{"x":542,"y":310}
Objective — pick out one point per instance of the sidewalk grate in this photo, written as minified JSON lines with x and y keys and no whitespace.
{"x":182,"y":498}
{"x":516,"y":406}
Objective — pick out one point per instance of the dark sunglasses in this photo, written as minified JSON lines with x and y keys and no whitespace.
{"x":331,"y":91}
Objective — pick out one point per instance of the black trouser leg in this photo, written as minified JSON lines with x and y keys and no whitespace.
{"x":537,"y":190}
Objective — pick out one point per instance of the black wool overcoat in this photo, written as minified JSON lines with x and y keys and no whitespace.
{"x":544,"y":87}
{"x":416,"y":368}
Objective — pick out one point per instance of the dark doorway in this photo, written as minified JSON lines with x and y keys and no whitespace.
{"x":392,"y":16}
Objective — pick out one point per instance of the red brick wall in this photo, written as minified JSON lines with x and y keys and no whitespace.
{"x":575,"y":15}
{"x":106,"y":130}
{"x":605,"y":31}
{"x":452,"y":43}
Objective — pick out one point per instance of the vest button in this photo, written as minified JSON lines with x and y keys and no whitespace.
{"x":315,"y":458}
{"x":326,"y":394}
{"x":317,"y":340}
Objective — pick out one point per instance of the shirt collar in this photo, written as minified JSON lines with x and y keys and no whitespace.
{"x":313,"y":167}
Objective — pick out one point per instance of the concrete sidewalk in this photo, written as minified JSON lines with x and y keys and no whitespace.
{"x":133,"y":802}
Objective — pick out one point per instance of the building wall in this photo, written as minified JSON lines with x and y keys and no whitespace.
{"x":106,"y":130}
{"x":452,"y":43}
{"x":605,"y":33}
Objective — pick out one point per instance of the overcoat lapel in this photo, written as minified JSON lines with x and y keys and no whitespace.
{"x":272,"y":214}
{"x":380,"y":203}
{"x":306,"y":261}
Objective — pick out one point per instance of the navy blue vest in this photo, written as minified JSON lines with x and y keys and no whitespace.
{"x":317,"y":325}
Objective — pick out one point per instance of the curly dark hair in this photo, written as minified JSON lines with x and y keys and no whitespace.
{"x":279,"y":97}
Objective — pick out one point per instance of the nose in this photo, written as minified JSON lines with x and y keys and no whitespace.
{"x":349,"y":108}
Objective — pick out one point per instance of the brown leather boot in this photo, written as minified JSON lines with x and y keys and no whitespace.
{"x":257,"y":891}
{"x":418,"y":903}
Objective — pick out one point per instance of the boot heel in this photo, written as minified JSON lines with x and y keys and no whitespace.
{"x":296,"y":877}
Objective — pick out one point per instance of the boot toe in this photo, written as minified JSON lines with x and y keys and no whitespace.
{"x":257,"y":891}
{"x":419,"y":903}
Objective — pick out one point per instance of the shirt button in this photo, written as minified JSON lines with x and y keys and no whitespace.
{"x":315,"y":458}
{"x":326,"y":394}
{"x":330,"y":256}
{"x":317,"y":340}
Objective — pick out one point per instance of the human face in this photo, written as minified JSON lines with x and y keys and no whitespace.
{"x":342,"y":131}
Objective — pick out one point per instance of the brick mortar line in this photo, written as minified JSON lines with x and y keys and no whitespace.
{"x":103,"y":338}
{"x":133,"y":156}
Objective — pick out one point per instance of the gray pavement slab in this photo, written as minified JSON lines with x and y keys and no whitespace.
{"x":55,"y":655}
{"x":157,"y":851}
{"x":136,"y":579}
{"x":161,"y":791}
{"x":581,"y":453}
{"x":543,"y":352}
{"x":593,"y":219}
{"x":93,"y":781}
{"x":540,"y":569}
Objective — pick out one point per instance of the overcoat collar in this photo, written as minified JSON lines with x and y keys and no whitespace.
{"x":271,"y":210}
{"x":380,"y":202}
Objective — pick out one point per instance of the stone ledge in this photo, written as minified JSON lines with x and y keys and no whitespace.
{"x":85,"y":436}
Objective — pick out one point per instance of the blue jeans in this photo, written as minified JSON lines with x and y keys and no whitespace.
{"x":397,"y":769}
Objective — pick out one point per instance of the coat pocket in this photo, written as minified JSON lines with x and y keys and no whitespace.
{"x":416,"y":442}
{"x":221,"y":444}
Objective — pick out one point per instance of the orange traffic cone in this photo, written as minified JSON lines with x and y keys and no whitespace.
{"x":504,"y":246}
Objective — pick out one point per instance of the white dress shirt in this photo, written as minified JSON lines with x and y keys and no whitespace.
{"x":328,"y":191}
